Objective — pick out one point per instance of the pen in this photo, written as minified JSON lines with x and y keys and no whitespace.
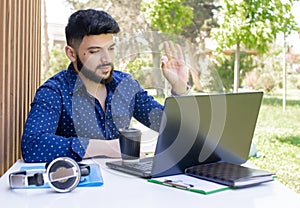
{"x":174,"y":184}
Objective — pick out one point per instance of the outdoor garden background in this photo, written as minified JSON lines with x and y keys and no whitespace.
{"x":256,"y":40}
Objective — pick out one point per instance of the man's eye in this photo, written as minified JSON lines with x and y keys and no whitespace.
{"x":97,"y":51}
{"x":111,"y":49}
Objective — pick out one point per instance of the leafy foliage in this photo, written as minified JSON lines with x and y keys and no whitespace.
{"x":126,"y":12}
{"x":270,"y":69}
{"x":253,"y":23}
{"x":135,"y":68}
{"x":169,"y":16}
{"x":58,"y":62}
{"x":203,"y":21}
{"x":224,"y":66}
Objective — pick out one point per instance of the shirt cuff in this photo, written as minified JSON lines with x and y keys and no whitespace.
{"x":79,"y":146}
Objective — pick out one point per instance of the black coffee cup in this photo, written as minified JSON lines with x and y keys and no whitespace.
{"x":130,"y":140}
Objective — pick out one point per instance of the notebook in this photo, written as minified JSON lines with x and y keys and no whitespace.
{"x":229,"y":174}
{"x":200,"y":129}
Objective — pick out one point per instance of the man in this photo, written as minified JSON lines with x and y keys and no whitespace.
{"x":77,"y":112}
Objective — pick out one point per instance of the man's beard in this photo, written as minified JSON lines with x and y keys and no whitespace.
{"x":91,"y":75}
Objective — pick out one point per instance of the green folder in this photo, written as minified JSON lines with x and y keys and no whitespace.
{"x":189,"y":183}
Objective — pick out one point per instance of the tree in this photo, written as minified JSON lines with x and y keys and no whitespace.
{"x":197,"y":32}
{"x":168,"y":16}
{"x":203,"y":20}
{"x":126,"y":12}
{"x":253,"y":24}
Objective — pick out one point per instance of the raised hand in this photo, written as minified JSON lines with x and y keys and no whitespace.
{"x":174,"y":68}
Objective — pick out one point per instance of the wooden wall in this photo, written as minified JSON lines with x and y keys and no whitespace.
{"x":20,"y":65}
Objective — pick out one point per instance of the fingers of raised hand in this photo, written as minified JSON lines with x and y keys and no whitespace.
{"x":172,"y":51}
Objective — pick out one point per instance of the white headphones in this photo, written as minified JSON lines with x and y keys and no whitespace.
{"x":62,"y":174}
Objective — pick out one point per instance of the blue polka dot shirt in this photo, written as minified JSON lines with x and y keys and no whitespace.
{"x":64,"y":116}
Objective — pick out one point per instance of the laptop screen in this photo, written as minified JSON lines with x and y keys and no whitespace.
{"x":205,"y":128}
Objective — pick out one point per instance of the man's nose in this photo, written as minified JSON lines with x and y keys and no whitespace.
{"x":105,"y":56}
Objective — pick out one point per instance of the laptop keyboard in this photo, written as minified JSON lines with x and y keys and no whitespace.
{"x":142,"y":165}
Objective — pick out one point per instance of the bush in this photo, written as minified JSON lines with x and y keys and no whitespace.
{"x":298,"y":85}
{"x":268,"y":73}
{"x":266,"y":82}
{"x":57,"y":62}
{"x":224,"y":65}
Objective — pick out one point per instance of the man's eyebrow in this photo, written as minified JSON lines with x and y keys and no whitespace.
{"x":112,"y":45}
{"x":98,"y":47}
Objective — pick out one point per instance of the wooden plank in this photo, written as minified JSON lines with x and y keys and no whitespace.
{"x":2,"y":83}
{"x":20,"y":53}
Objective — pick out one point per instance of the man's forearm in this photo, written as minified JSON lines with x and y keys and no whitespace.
{"x":99,"y":147}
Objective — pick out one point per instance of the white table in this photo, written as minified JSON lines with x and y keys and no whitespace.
{"x":122,"y":190}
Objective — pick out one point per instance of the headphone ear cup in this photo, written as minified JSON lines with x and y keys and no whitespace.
{"x":63,"y":174}
{"x":37,"y":179}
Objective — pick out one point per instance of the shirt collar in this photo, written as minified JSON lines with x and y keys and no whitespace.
{"x":74,"y":81}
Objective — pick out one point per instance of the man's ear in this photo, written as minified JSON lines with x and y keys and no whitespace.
{"x":70,"y":52}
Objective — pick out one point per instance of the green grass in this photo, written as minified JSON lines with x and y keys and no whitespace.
{"x":277,"y":137}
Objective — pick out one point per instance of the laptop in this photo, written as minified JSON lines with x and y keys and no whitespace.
{"x":200,"y":129}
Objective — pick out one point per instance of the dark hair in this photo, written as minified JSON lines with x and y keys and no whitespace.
{"x":89,"y":22}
